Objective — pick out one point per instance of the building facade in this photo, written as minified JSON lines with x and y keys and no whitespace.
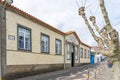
{"x":72,"y":45}
{"x":84,"y":53}
{"x":30,"y":46}
{"x":98,"y":57}
{"x":92,"y":57}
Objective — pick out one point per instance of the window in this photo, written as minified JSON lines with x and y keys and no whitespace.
{"x":85,"y":52}
{"x":24,"y":38}
{"x":68,"y":51}
{"x":88,"y":53}
{"x":72,"y":49}
{"x":76,"y":52}
{"x":58,"y":46}
{"x":81,"y":52}
{"x":44,"y":43}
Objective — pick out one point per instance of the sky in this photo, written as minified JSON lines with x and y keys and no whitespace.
{"x":63,"y":14}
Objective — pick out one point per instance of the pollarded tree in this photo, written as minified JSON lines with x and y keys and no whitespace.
{"x":109,"y":37}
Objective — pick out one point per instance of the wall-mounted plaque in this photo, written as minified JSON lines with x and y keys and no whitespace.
{"x":11,"y":37}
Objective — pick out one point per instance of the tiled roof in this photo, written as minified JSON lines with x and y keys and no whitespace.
{"x":96,"y":48}
{"x":32,"y":18}
{"x":85,"y":44}
{"x":38,"y":21}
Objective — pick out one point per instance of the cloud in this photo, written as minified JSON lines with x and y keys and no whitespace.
{"x":63,"y":14}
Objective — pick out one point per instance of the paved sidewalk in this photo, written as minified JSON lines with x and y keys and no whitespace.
{"x":107,"y":74}
{"x":104,"y":73}
{"x":41,"y":76}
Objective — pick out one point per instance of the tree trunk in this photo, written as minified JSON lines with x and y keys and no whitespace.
{"x":116,"y":70}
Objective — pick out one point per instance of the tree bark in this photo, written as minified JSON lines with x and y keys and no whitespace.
{"x":116,"y":70}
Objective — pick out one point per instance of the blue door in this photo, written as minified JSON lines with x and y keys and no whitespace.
{"x":92,"y":57}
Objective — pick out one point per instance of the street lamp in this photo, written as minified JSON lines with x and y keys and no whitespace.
{"x":4,"y":6}
{"x":9,"y":1}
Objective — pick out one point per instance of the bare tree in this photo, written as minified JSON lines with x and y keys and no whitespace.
{"x":109,"y":38}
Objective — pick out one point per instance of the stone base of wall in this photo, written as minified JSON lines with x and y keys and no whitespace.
{"x":68,"y":66}
{"x":17,"y":71}
{"x":84,"y":63}
{"x":77,"y":64}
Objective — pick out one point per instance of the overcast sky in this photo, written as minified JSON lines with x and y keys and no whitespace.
{"x":63,"y":14}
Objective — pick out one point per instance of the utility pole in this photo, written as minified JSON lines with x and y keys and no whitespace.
{"x":3,"y":64}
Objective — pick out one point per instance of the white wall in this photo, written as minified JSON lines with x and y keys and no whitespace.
{"x":98,"y":58}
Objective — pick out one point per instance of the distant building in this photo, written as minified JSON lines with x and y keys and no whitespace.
{"x":98,"y":57}
{"x":92,"y":57}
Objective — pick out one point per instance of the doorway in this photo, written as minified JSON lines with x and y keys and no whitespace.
{"x":72,"y":57}
{"x":72,"y":60}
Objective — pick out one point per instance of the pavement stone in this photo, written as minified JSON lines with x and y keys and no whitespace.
{"x":102,"y":73}
{"x":105,"y":74}
{"x":40,"y":76}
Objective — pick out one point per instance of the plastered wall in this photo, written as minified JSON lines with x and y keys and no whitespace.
{"x":85,"y":60}
{"x":17,"y":57}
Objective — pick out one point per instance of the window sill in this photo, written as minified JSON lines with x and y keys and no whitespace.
{"x":59,"y":54}
{"x":45,"y":52}
{"x":24,"y":50}
{"x":68,"y":59}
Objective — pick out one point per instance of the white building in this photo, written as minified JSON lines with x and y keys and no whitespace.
{"x":98,"y":55}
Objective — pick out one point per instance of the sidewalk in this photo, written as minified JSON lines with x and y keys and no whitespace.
{"x":105,"y":74}
{"x":102,"y":73}
{"x":40,"y":76}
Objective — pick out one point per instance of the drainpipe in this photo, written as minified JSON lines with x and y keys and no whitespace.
{"x":64,"y":53}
